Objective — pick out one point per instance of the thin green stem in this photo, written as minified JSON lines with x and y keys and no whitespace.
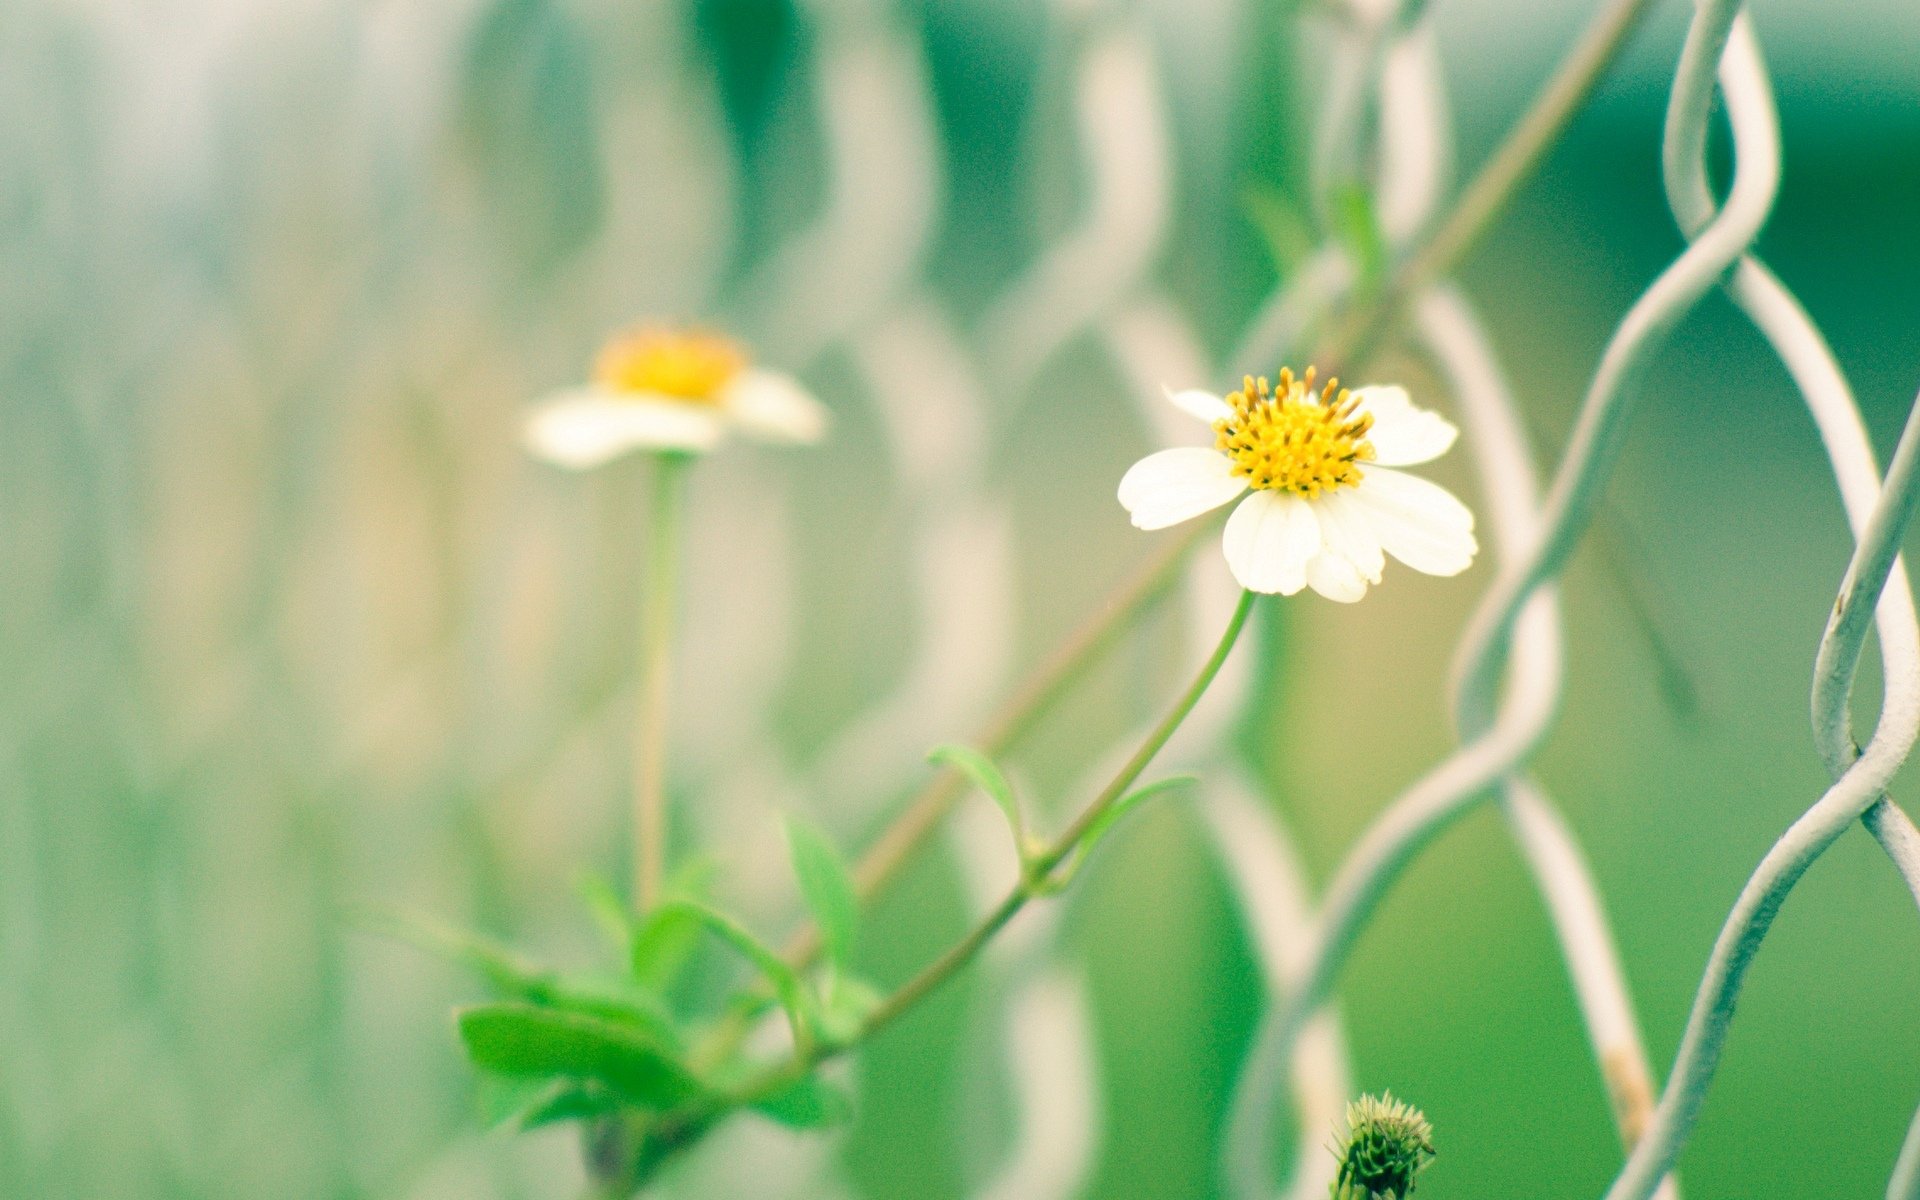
{"x":903,"y":837}
{"x":917,"y":821}
{"x":1481,"y":201}
{"x":688,"y":1125}
{"x":1347,"y":349}
{"x":1493,"y":187}
{"x":1039,"y":869}
{"x":657,"y":610}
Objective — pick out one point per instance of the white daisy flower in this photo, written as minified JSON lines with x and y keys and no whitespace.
{"x":666,"y":389}
{"x":1325,"y":506}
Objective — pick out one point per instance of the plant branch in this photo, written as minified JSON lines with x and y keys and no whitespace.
{"x":1036,"y":876}
{"x":1481,"y":201}
{"x":1039,"y":870}
{"x":1489,"y":192}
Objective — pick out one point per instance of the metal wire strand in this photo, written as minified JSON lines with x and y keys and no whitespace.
{"x":1862,"y":780}
{"x":1506,"y":615}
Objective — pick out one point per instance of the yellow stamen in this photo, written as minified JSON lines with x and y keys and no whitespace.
{"x":1290,"y":439}
{"x":686,"y":365}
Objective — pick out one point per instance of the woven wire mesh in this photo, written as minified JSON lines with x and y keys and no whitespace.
{"x":295,"y":625}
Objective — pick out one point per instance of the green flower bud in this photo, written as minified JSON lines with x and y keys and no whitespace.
{"x":1387,"y":1144}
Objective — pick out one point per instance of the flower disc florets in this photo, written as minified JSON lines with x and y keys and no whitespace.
{"x":1291,"y":438}
{"x":686,"y":365}
{"x":671,"y":390}
{"x":1388,"y":1143}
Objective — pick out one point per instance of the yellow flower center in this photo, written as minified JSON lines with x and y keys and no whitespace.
{"x":1288,"y":439}
{"x":691,"y":365}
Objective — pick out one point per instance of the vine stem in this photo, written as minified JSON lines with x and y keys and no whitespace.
{"x":1036,"y":878}
{"x":1483,"y":198}
{"x":1501,"y":175}
{"x":1480,"y":202}
{"x":1038,"y":871}
{"x":657,"y":608}
{"x":1490,"y":190}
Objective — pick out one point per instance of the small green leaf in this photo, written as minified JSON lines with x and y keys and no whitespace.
{"x":569,"y":1102}
{"x":664,"y":942}
{"x":812,"y":1103}
{"x":662,"y":945}
{"x":608,"y":910}
{"x":802,"y":1014}
{"x":502,"y":1099}
{"x":506,"y":971}
{"x":827,"y":886}
{"x":526,"y":1041}
{"x":984,"y":775}
{"x":1120,"y":810}
{"x":848,"y":1004}
{"x":616,"y":1000}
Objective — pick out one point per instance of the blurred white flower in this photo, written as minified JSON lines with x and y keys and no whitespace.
{"x":666,"y":389}
{"x":1324,"y":504}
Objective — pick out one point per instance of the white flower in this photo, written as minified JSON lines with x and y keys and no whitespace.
{"x":1325,"y":507}
{"x":664,"y":389}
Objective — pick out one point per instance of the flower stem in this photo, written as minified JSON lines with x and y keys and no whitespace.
{"x":917,"y":821}
{"x":1494,"y":184}
{"x":1040,"y":869}
{"x":659,"y":592}
{"x":1036,"y":876}
{"x":1347,"y":348}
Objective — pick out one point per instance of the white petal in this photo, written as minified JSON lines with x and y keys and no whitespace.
{"x":1418,"y":522}
{"x":1344,"y":525}
{"x":1402,"y":434}
{"x":585,"y":427}
{"x":1201,"y":405}
{"x":1330,"y":574}
{"x":1174,"y":485}
{"x":774,"y":408}
{"x":1270,"y":539}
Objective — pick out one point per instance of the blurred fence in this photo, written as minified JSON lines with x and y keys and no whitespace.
{"x":287,"y":622}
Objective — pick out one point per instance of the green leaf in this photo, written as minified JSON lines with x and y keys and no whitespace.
{"x":533,"y":1101}
{"x":502,"y":1098}
{"x":526,"y":1041}
{"x":812,"y":1103}
{"x":984,"y":775}
{"x":1107,"y":820}
{"x":498,"y":965}
{"x":614,"y":1000}
{"x":662,"y":945}
{"x":608,"y":910}
{"x":848,"y":1004}
{"x":827,"y":885}
{"x":569,"y":1102}
{"x":664,"y":942}
{"x":802,"y":1014}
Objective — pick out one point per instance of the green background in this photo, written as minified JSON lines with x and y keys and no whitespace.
{"x":287,"y":623}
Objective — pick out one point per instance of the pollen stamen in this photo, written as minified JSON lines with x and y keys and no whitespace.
{"x":692,"y":366}
{"x":1293,"y":438}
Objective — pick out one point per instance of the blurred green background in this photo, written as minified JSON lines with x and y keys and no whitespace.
{"x":288,"y":623}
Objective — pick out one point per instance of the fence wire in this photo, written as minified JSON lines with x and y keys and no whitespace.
{"x":271,"y":538}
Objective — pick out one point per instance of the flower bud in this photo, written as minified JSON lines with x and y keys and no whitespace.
{"x":1387,"y":1144}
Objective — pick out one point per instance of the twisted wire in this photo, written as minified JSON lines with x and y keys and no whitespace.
{"x":1509,"y":731}
{"x":1875,"y":589}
